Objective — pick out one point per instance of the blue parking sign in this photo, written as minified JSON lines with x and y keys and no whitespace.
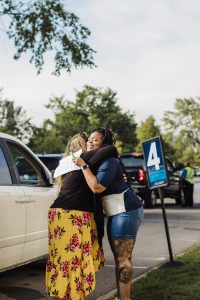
{"x":155,"y":163}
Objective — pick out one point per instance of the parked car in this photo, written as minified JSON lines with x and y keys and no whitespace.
{"x":197,"y":171}
{"x":136,"y":172}
{"x":51,"y":161}
{"x":26,"y":192}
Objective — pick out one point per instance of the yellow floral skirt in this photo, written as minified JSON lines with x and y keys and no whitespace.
{"x":74,"y":254}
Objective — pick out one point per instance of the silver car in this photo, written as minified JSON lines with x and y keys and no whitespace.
{"x":26,"y":192}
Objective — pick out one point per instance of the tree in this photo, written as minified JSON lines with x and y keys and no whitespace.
{"x":13,"y":120}
{"x":147,"y":130}
{"x":42,"y":26}
{"x":184,"y":120}
{"x":183,"y":124}
{"x":92,"y":108}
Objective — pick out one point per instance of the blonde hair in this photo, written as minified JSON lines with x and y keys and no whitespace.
{"x":74,"y":144}
{"x":77,"y":142}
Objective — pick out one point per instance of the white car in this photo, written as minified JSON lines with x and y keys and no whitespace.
{"x":26,"y":193}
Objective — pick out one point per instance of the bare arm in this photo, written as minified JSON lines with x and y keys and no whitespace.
{"x":89,"y":177}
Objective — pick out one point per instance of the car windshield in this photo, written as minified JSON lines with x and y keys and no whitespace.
{"x":131,"y":161}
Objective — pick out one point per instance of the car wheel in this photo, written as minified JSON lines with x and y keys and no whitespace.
{"x":181,"y":198}
{"x":151,"y":199}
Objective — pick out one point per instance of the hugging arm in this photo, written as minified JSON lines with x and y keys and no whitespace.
{"x":104,"y":176}
{"x":90,"y":177}
{"x":94,"y":158}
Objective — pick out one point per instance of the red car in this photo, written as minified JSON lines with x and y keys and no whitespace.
{"x":197,"y":171}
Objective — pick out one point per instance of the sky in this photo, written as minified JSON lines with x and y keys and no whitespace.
{"x":147,"y":51}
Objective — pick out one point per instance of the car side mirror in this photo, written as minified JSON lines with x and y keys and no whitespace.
{"x":52,"y":177}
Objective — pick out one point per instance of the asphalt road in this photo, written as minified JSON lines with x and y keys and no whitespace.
{"x":151,"y":249}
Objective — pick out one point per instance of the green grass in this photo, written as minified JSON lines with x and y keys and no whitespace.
{"x":177,"y":283}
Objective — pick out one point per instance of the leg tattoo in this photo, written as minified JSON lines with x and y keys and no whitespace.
{"x":122,"y":250}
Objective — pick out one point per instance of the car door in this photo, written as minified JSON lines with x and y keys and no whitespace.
{"x":39,"y":195}
{"x":12,"y":215}
{"x":174,"y":180}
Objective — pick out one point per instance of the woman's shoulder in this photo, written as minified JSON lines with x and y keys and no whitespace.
{"x":110,"y":149}
{"x":110,"y":161}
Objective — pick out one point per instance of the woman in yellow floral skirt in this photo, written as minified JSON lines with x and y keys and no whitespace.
{"x":74,"y":251}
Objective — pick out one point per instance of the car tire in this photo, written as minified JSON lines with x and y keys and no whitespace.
{"x":180,"y":200}
{"x":150,"y":199}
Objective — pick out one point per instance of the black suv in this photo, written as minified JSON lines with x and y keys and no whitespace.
{"x":51,"y":161}
{"x":136,"y":172}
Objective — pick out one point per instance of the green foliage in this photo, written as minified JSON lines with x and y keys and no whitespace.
{"x":169,"y":148}
{"x":92,"y":108}
{"x":42,"y":26}
{"x":183,"y":129}
{"x":44,"y":140}
{"x":13,"y":120}
{"x":147,"y":130}
{"x":184,"y":120}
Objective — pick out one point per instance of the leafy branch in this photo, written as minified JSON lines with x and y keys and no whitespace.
{"x":44,"y":26}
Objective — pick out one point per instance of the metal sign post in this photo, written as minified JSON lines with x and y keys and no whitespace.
{"x":157,"y":176}
{"x":166,"y":224}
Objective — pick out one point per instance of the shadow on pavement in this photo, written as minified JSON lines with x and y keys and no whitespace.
{"x":21,"y":293}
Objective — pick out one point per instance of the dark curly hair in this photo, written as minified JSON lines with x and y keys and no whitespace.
{"x":108,"y":137}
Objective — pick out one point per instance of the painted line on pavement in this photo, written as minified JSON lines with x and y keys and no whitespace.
{"x":139,"y":267}
{"x":170,"y":220}
{"x":193,"y":241}
{"x":155,"y":258}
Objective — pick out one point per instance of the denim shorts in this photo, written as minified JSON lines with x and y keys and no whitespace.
{"x":125,"y":225}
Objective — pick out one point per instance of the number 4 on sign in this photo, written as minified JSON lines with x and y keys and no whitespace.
{"x":153,"y":159}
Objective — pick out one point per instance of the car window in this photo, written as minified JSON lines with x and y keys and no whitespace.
{"x":132,"y":161}
{"x":5,"y":177}
{"x":170,"y":168}
{"x":28,"y":173}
